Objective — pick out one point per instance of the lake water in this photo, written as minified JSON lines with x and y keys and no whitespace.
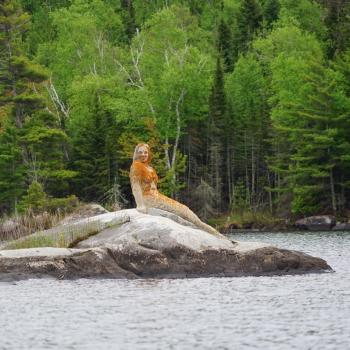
{"x":289,"y":312}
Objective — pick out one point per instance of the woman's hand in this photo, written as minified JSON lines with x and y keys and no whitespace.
{"x":142,"y":209}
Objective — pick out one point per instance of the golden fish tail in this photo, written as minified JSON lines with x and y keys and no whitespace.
{"x":162,"y":202}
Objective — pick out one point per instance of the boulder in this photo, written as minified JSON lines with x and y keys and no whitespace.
{"x":316,"y":223}
{"x":154,"y":245}
{"x":341,"y":226}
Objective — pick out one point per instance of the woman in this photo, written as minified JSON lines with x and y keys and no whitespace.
{"x":144,"y":179}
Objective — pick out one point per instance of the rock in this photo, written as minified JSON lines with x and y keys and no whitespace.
{"x":316,"y":223}
{"x":68,"y":234}
{"x":154,"y":246}
{"x":232,"y":226}
{"x":342,"y":226}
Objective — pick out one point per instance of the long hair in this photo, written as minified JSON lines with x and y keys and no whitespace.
{"x":135,"y":156}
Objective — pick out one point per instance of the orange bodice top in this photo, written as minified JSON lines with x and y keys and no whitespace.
{"x":145,"y":175}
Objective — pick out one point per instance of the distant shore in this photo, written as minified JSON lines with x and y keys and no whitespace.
{"x":263,"y":222}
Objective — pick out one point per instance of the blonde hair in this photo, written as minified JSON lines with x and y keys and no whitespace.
{"x":136,"y":156}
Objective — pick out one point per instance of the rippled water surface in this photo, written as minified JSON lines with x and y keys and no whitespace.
{"x":290,"y":312}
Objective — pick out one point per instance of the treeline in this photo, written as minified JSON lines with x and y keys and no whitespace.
{"x":245,"y":103}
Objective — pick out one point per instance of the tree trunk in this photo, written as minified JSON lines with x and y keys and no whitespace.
{"x":334,"y":203}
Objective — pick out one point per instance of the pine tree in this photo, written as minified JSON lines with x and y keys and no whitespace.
{"x":30,"y":143}
{"x":129,"y":18}
{"x":17,"y":75}
{"x":270,"y":10}
{"x":217,"y":115}
{"x":249,"y":20}
{"x":94,"y":155}
{"x":338,"y":24}
{"x":44,"y":141}
{"x":12,"y":170}
{"x":319,"y":150}
{"x":225,"y":45}
{"x":35,"y":201}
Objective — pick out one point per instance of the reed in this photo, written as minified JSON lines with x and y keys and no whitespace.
{"x":18,"y":226}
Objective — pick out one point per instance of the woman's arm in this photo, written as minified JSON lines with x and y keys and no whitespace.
{"x":137,"y":192}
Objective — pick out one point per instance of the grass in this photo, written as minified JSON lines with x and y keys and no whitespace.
{"x":15,"y":227}
{"x":247,"y":220}
{"x":66,"y":236}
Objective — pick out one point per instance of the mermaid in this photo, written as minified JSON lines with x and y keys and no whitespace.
{"x":144,"y":179}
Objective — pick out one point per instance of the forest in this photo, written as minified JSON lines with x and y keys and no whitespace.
{"x":245,"y":103}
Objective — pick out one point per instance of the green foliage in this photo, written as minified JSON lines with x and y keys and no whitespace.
{"x":265,"y":126}
{"x":308,"y":14}
{"x":85,"y":32}
{"x":241,"y":200}
{"x":271,"y":9}
{"x":338,"y":25}
{"x":35,"y":200}
{"x":170,"y":183}
{"x":247,"y":91}
{"x":217,"y":121}
{"x":12,"y":169}
{"x":66,"y":204}
{"x":309,"y":118}
{"x":94,"y":133}
{"x":225,"y":45}
{"x":128,"y":18}
{"x":249,"y":21}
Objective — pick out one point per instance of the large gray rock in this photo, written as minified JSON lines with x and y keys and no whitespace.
{"x":154,"y":245}
{"x":316,"y":223}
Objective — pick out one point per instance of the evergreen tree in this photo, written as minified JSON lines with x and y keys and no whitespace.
{"x":129,"y":18}
{"x":225,"y":45}
{"x":247,"y":92}
{"x":94,"y":155}
{"x":44,"y":140}
{"x":30,"y":141}
{"x":35,"y":200}
{"x":318,"y":150}
{"x":217,"y":115}
{"x":40,"y":11}
{"x":338,"y":24}
{"x":249,"y":20}
{"x":17,"y":75}
{"x":271,"y":9}
{"x":12,"y":169}
{"x":341,"y":69}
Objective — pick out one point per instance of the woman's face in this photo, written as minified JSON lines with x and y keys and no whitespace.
{"x":142,"y":154}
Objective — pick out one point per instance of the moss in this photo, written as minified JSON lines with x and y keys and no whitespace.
{"x":32,"y":242}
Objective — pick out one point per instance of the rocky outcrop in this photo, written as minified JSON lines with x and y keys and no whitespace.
{"x":316,"y":223}
{"x":341,"y":226}
{"x":157,"y":245}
